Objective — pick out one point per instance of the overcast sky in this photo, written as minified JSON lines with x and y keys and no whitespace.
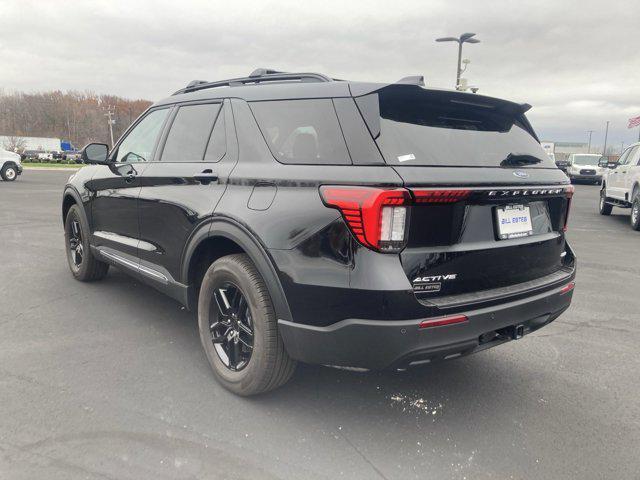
{"x":576,"y":62}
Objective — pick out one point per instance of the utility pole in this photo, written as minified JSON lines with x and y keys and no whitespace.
{"x":111,"y":111}
{"x":606,"y":134}
{"x":589,"y":132}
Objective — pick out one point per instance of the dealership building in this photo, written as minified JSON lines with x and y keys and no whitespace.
{"x":562,"y":150}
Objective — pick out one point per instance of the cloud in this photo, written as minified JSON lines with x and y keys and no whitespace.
{"x":576,"y":62}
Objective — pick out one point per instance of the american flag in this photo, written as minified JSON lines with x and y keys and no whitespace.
{"x":634,"y":122}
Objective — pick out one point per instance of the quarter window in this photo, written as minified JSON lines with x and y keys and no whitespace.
{"x":190,"y":133}
{"x":217,"y":146}
{"x":139,"y":144}
{"x":302,"y":131}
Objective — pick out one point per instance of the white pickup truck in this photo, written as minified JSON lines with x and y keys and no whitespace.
{"x":10,"y":165}
{"x":621,"y":185}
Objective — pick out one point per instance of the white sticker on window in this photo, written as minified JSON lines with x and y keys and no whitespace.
{"x":406,"y":158}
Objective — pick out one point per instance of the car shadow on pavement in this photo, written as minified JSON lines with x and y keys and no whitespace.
{"x":428,"y":389}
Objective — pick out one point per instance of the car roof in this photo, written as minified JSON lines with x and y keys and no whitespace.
{"x":264,"y":84}
{"x":270,"y":91}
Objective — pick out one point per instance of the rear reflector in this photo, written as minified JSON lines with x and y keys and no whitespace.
{"x":567,"y":288}
{"x":439,"y":322}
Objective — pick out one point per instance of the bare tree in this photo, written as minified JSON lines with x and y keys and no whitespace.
{"x":74,"y":116}
{"x":14,"y":144}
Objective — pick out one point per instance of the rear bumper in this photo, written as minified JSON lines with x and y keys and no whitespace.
{"x":381,"y":344}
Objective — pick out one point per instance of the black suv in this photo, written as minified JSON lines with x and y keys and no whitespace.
{"x":332,"y":222}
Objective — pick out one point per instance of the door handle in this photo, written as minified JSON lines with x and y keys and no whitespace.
{"x":206,"y":177}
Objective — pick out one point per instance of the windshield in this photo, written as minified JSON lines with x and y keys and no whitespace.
{"x":413,"y":126}
{"x":586,"y":159}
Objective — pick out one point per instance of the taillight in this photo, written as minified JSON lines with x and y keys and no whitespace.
{"x":376,"y":216}
{"x":440,"y":196}
{"x":569,"y":192}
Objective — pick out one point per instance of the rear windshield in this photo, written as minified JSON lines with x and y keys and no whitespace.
{"x":413,"y":126}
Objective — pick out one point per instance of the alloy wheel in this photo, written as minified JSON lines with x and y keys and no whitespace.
{"x":231,"y":327}
{"x":75,"y":243}
{"x":10,"y":173}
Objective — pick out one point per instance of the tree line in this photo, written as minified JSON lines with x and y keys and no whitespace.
{"x":78,"y":117}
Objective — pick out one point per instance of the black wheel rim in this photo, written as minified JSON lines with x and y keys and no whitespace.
{"x":76,"y":249}
{"x":231,"y":327}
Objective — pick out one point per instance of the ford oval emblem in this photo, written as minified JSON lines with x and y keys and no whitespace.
{"x":521,"y":174}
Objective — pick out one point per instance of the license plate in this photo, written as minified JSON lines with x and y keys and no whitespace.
{"x":514,"y":221}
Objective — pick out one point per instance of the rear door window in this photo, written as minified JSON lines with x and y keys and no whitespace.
{"x":190,"y":133}
{"x":302,"y":131}
{"x":413,"y":126}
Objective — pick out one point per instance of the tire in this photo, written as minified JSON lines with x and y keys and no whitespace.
{"x":268,"y":365}
{"x":635,"y":213}
{"x":604,"y":207}
{"x":9,"y":173}
{"x":83,"y":265}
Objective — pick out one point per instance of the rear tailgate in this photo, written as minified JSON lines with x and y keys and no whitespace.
{"x":489,"y":207}
{"x":460,"y":246}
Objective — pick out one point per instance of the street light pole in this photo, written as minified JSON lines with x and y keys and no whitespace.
{"x":459,"y":71}
{"x":606,"y":134}
{"x":589,"y":148}
{"x":464,"y":38}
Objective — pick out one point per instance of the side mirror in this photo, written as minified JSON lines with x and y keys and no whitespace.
{"x":95,"y":153}
{"x":603,"y":162}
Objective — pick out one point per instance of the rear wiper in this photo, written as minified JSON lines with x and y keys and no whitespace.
{"x":513,"y":160}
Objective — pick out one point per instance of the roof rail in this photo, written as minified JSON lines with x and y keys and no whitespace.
{"x":259,"y":75}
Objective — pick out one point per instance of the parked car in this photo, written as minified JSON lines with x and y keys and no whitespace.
{"x":10,"y":165}
{"x":585,"y":167}
{"x":29,"y":155}
{"x":45,"y":156}
{"x":562,"y":164}
{"x":621,"y":184}
{"x":71,"y":156}
{"x":330,"y":222}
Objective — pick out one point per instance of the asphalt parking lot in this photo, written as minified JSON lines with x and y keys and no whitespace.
{"x":108,"y":380}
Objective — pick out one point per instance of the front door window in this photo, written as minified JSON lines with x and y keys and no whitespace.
{"x":138,"y":145}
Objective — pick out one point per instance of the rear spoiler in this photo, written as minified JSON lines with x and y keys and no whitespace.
{"x":369,"y":109}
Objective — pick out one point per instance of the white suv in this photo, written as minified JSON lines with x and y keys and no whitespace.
{"x":621,"y":185}
{"x":10,"y":166}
